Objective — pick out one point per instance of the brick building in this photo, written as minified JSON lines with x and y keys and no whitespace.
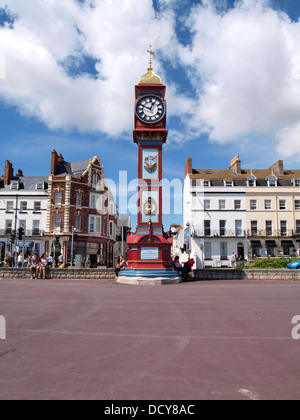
{"x":80,"y":201}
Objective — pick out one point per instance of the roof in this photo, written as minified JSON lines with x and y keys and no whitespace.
{"x":218,"y":176}
{"x":27,"y":183}
{"x":76,"y":169}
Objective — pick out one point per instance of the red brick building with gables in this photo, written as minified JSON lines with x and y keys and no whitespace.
{"x":79,"y":200}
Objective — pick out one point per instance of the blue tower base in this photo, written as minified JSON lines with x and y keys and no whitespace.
{"x":149,"y":277}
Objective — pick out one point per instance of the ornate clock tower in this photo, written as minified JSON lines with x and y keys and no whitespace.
{"x":149,"y":247}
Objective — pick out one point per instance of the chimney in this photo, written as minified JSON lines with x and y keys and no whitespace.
{"x":236,"y":166}
{"x":19,"y":173}
{"x":188,"y":167}
{"x":8,"y":173}
{"x":60,"y":159}
{"x":54,"y":161}
{"x":278,"y":167}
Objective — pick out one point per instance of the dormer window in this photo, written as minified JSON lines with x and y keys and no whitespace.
{"x":206,"y":183}
{"x":228,"y":183}
{"x":272,"y":181}
{"x":15,"y":185}
{"x":297,"y":182}
{"x":40,"y":186}
{"x":251,"y":181}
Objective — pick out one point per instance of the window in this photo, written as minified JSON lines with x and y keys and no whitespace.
{"x":207,"y":227}
{"x":78,"y":200}
{"x":111,"y":229}
{"x":297,"y":204}
{"x":297,"y":183}
{"x":269,"y":227}
{"x":238,"y":228}
{"x":253,"y":204}
{"x":37,"y":207}
{"x":222,"y":204}
{"x":282,"y":204}
{"x":23,"y":206}
{"x":22,"y":223}
{"x":237,"y":205}
{"x":206,"y":183}
{"x":78,"y":223}
{"x":206,"y":204}
{"x":223,"y":251}
{"x":95,"y":224}
{"x":228,"y":183}
{"x":58,"y":198}
{"x":272,"y":181}
{"x":35,"y":227}
{"x":222,"y":227}
{"x":98,"y":224}
{"x":268,"y":204}
{"x":253,"y":227}
{"x":92,"y":224}
{"x":9,"y":206}
{"x":298,"y":227}
{"x":283,"y":227}
{"x":92,"y":201}
{"x":251,"y":182}
{"x":57,"y":221}
{"x":207,"y":251}
{"x":15,"y":185}
{"x":95,"y":180}
{"x":40,"y":186}
{"x":8,"y":227}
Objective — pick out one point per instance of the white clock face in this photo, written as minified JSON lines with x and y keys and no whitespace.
{"x":150,"y":109}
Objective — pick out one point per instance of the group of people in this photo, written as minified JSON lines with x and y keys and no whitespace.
{"x":39,"y":265}
{"x":184,"y":269}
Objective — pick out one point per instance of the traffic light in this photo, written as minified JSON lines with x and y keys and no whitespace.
{"x":20,"y":233}
{"x":12,"y":237}
{"x":57,"y":240}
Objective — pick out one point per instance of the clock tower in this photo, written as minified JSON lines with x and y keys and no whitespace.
{"x":149,"y":247}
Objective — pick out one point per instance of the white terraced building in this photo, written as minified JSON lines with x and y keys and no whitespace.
{"x":23,"y":203}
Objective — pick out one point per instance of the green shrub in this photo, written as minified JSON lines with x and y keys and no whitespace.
{"x":273,"y":263}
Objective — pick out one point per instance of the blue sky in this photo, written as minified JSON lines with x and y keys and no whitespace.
{"x":232,"y":71}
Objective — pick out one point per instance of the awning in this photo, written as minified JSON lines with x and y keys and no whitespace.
{"x":256,"y":244}
{"x":271,"y":244}
{"x":287,"y":243}
{"x":28,"y":244}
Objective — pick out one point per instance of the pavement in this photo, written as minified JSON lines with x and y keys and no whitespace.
{"x":218,"y":340}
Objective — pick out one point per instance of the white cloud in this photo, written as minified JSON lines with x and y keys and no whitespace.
{"x":243,"y":65}
{"x":115,"y":33}
{"x":248,"y":62}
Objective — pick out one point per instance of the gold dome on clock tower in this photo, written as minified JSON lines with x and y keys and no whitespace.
{"x":150,"y":77}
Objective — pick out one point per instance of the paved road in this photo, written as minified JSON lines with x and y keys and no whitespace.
{"x":100,"y":340}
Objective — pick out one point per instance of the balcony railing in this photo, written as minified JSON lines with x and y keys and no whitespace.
{"x":224,"y":233}
{"x":272,"y":233}
{"x":29,"y":233}
{"x":251,"y":233}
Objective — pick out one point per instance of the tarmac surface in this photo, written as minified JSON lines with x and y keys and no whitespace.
{"x":219,"y":340}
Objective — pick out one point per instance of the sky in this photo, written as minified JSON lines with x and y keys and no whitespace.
{"x":68,"y":70}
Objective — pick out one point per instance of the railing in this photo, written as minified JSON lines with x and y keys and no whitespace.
{"x":29,"y":233}
{"x":272,"y":233}
{"x":226,"y":233}
{"x":251,"y":233}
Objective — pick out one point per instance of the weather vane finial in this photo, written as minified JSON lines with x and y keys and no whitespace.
{"x":151,"y":54}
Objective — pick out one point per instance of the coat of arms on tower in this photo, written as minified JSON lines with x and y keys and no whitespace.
{"x":150,"y":163}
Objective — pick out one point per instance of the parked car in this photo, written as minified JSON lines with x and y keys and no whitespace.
{"x":295,"y":265}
